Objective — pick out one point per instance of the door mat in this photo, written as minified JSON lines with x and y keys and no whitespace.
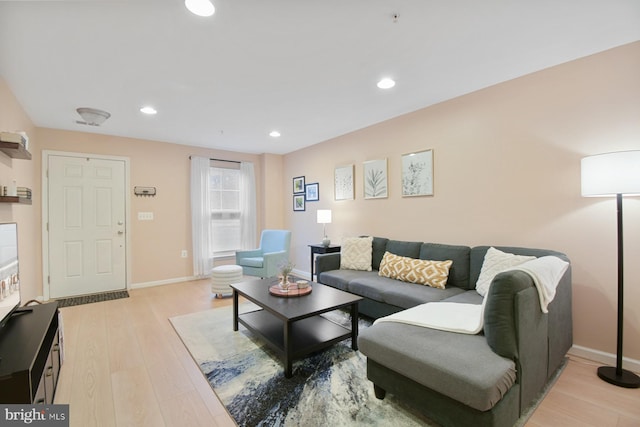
{"x":88,"y":299}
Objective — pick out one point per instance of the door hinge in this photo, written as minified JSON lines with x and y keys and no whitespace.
{"x":49,"y":280}
{"x":47,"y":226}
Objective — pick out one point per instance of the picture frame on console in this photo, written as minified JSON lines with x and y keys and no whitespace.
{"x":417,"y":174}
{"x":343,"y":183}
{"x":298,"y":203}
{"x":374,"y":178}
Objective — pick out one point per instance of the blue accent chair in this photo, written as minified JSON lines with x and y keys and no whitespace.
{"x":267,"y":259}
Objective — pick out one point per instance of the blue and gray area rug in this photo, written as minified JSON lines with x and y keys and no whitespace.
{"x":329,"y":388}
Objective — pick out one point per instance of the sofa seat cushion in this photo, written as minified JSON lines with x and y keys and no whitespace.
{"x":340,"y":279}
{"x":257,"y":261}
{"x":459,"y":366}
{"x":395,"y":292}
{"x":409,"y":295}
{"x":370,"y":285}
{"x":468,"y":297}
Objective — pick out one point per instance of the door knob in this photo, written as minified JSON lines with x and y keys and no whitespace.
{"x":120,"y":232}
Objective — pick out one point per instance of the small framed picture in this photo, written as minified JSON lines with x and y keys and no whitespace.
{"x":375,"y":179}
{"x":312,"y":194}
{"x":298,"y":202}
{"x":298,"y":185}
{"x":344,"y":183}
{"x":417,"y":174}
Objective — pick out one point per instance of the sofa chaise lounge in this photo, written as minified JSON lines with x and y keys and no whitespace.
{"x":486,"y":379}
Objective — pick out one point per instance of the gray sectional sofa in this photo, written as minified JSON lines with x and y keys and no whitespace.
{"x":488,"y":379}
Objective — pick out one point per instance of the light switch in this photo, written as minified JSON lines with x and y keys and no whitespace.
{"x":145,"y":216}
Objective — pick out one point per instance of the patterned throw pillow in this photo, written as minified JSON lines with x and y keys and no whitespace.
{"x":355,"y":253}
{"x":420,"y":271}
{"x":496,"y":261}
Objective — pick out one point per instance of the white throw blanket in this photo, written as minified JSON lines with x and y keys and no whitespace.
{"x":445,"y":316}
{"x":546,"y":273}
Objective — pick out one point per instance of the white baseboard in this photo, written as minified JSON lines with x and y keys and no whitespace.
{"x":604,"y":358}
{"x":300,"y":273}
{"x":163,"y":282}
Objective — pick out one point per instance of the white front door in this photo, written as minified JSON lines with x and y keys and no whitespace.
{"x":87,"y":230}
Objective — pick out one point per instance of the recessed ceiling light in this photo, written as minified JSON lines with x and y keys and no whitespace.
{"x":200,"y":7}
{"x":274,"y":134}
{"x":148,"y":110}
{"x":386,"y":83}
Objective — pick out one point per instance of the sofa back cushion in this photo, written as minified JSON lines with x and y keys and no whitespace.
{"x":459,"y":271}
{"x":408,"y":249}
{"x":379,"y":248}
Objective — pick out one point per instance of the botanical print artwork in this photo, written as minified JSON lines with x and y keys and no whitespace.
{"x":298,"y":202}
{"x":417,"y":174}
{"x":312,"y":194}
{"x":344,"y":183}
{"x":298,"y":185}
{"x":375,"y":179}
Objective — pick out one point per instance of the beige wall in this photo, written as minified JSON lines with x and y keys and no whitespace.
{"x":507,"y":172}
{"x":273,"y":203}
{"x":13,"y":118}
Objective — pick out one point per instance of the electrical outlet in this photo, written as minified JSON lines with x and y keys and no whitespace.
{"x":184,"y":253}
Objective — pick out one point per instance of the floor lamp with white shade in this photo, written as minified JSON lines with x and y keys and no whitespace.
{"x":614,"y":174}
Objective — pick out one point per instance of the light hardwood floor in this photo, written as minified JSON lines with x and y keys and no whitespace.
{"x":125,"y":366}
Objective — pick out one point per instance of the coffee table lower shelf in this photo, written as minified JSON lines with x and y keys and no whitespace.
{"x":304,"y":336}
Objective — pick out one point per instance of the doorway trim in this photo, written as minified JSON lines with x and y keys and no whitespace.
{"x":45,"y":212}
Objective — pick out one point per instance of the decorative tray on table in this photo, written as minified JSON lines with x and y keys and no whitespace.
{"x":292,"y":291}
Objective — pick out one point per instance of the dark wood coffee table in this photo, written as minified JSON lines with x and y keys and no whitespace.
{"x":292,"y":327}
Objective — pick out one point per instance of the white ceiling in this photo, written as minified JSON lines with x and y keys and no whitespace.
{"x":306,"y":68}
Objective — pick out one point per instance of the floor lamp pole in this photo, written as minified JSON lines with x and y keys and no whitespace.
{"x":618,"y":376}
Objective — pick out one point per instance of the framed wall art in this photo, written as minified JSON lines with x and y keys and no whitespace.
{"x":344,"y":183}
{"x":298,"y":185}
{"x":417,"y":174}
{"x":375,"y":179}
{"x":298,"y":202}
{"x":312,"y":193}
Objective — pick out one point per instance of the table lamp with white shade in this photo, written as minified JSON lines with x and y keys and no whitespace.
{"x":614,"y":174}
{"x":324,"y":218}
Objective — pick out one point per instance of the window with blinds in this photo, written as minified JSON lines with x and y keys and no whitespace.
{"x":225,"y":208}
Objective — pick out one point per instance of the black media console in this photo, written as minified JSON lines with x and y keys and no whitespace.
{"x":30,"y":355}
